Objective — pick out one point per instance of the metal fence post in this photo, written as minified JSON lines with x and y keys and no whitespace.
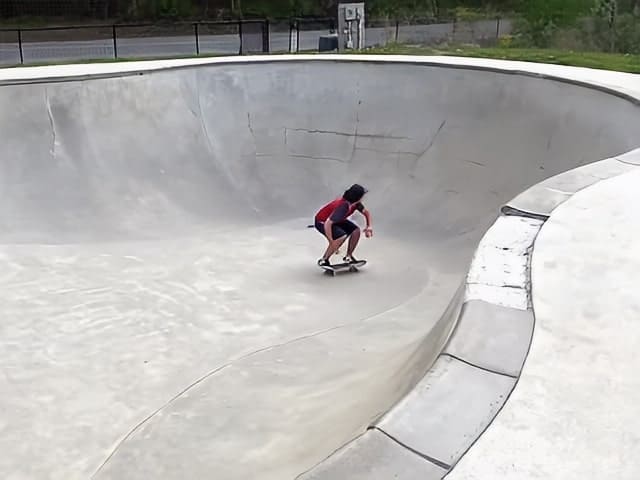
{"x":266,"y":47}
{"x":115,"y":42}
{"x":294,"y":29}
{"x":20,"y":47}
{"x":498,"y":27}
{"x":195,"y":29}
{"x":240,"y":33}
{"x":397,"y":30}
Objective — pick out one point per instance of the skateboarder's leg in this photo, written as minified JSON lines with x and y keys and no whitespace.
{"x":339,"y":237}
{"x":353,"y":232}
{"x":354,"y":238}
{"x":333,"y":247}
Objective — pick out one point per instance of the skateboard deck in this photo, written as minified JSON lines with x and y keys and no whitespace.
{"x":338,"y":267}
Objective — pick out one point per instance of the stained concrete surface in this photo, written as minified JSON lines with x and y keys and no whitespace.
{"x":163,"y":312}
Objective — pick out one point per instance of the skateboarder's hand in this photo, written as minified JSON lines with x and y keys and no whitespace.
{"x":368,"y":232}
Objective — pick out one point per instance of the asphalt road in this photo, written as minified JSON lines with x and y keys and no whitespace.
{"x":228,"y":44}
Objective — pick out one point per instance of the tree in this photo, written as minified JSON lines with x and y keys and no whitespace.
{"x":543,"y":18}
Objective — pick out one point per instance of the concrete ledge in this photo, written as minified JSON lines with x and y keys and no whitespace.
{"x":448,"y":410}
{"x":541,"y":199}
{"x":492,"y":337}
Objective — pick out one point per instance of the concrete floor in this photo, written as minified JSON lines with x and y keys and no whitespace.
{"x":163,"y":314}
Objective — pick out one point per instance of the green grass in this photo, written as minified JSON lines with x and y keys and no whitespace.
{"x":113,"y":60}
{"x":604,"y":61}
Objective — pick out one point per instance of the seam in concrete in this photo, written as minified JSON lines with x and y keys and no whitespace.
{"x":510,"y":211}
{"x":471,"y":364}
{"x":238,"y":359}
{"x":622,"y":161}
{"x":205,"y":377}
{"x":302,"y":474}
{"x":526,"y":355}
{"x":426,"y":457}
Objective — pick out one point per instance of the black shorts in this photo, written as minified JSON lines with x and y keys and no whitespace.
{"x":339,"y":229}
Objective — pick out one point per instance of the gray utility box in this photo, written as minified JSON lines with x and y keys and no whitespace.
{"x":351,"y":23}
{"x":328,"y":43}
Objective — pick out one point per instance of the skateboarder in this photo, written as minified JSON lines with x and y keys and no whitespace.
{"x":332,"y":220}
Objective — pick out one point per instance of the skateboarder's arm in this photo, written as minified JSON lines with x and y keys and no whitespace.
{"x":367,"y":215}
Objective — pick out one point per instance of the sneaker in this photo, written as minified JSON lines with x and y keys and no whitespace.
{"x":323,"y":263}
{"x":350,"y":259}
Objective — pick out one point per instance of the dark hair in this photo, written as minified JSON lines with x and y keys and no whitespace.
{"x":354,"y":193}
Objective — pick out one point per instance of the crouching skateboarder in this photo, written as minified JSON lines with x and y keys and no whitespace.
{"x":332,"y":220}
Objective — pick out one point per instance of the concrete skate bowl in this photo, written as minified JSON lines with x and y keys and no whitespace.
{"x":163,"y":316}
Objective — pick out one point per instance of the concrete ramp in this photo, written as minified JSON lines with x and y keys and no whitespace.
{"x":163,"y":316}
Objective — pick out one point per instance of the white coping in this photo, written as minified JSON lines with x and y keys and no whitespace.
{"x":509,"y":440}
{"x":625,"y":83}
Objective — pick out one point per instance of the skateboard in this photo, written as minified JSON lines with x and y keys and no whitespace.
{"x":338,"y":267}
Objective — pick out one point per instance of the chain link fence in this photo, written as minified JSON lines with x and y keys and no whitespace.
{"x":175,"y":39}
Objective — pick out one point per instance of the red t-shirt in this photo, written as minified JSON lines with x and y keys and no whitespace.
{"x":338,"y":210}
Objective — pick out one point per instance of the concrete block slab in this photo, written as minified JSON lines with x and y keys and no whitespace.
{"x":447,"y":410}
{"x":492,"y":337}
{"x":543,"y":198}
{"x":502,"y":258}
{"x":498,"y":271}
{"x":374,"y":456}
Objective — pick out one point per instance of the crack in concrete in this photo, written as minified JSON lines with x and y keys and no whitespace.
{"x":312,"y":157}
{"x":52,"y":150}
{"x":203,"y":124}
{"x":347,"y":134}
{"x":253,"y":134}
{"x":427,"y":148}
{"x":472,"y":162}
{"x":355,"y":134}
{"x":386,"y":152}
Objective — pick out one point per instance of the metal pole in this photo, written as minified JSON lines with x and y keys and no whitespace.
{"x":291,"y":32}
{"x":266,"y":47}
{"x":498,"y":27}
{"x":195,"y":27}
{"x":297,"y":36}
{"x":20,"y":47}
{"x":115,"y":42}
{"x":240,"y":33}
{"x":397,"y":29}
